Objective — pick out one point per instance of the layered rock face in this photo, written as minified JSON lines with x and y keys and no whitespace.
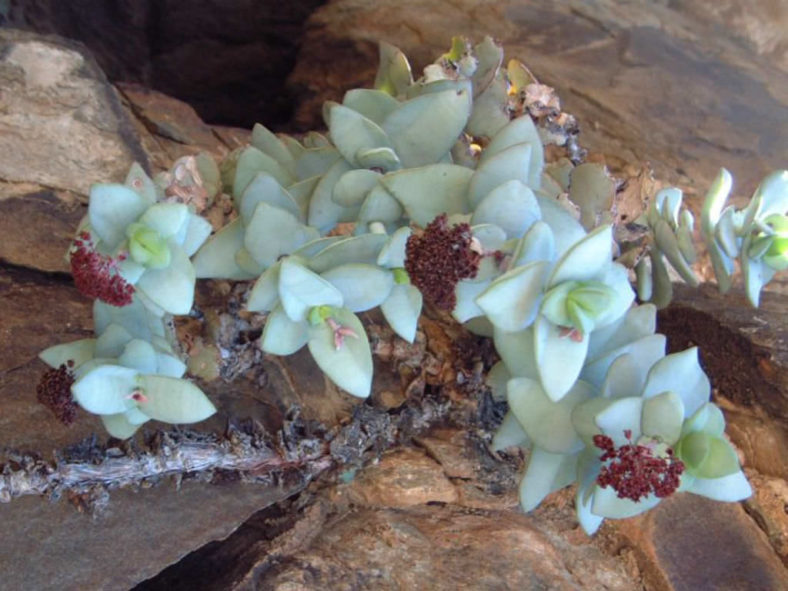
{"x":646,"y":81}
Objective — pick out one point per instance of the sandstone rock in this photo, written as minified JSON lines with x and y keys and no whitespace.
{"x":690,"y":542}
{"x":433,"y":548}
{"x":401,"y":478}
{"x":647,"y":81}
{"x":61,"y":123}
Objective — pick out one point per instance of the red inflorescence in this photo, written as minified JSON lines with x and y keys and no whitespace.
{"x":96,"y":275}
{"x":440,"y":257}
{"x":634,"y":472}
{"x":54,"y":392}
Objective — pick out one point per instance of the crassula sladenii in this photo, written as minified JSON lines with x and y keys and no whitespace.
{"x":437,"y":189}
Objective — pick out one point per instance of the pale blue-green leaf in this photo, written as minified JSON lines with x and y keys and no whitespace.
{"x":77,"y":351}
{"x":265,"y":294}
{"x":509,"y":434}
{"x":362,"y":286}
{"x":466,"y":306}
{"x":567,"y":231}
{"x":300,"y":289}
{"x":174,"y":401}
{"x":129,"y":269}
{"x":392,"y":255}
{"x":622,"y":415}
{"x":384,"y":159}
{"x":216,"y":258}
{"x":547,"y":423}
{"x":536,"y":245}
{"x":626,"y":377}
{"x":92,"y":364}
{"x":662,"y":417}
{"x":559,"y":358}
{"x":393,"y":76}
{"x":350,"y":366}
{"x":266,"y":189}
{"x":549,"y":189}
{"x":587,"y":259}
{"x":351,"y":132}
{"x":135,"y":416}
{"x":197,"y":231}
{"x":490,"y":56}
{"x":422,"y":130}
{"x":111,"y":209}
{"x":273,"y":232}
{"x":302,"y":192}
{"x":375,"y":105}
{"x":135,"y":318}
{"x":315,"y":139}
{"x":111,"y":341}
{"x":429,"y":191}
{"x":513,"y":163}
{"x":282,"y":336}
{"x":547,"y":472}
{"x":421,"y":88}
{"x":607,"y":504}
{"x":511,"y":302}
{"x":668,"y":202}
{"x":317,"y":245}
{"x":253,"y":161}
{"x":490,"y":236}
{"x":519,"y":131}
{"x":171,"y":288}
{"x":773,"y":191}
{"x":680,"y":373}
{"x":117,"y":425}
{"x":511,"y":206}
{"x":364,"y":248}
{"x":166,"y":218}
{"x":714,"y":202}
{"x":496,"y":379}
{"x":588,"y":471}
{"x":353,"y":186}
{"x":616,"y":277}
{"x":517,"y":352}
{"x":644,"y":281}
{"x":138,"y":180}
{"x":553,"y":306}
{"x":269,"y":144}
{"x":638,"y":322}
{"x":167,"y":365}
{"x":402,"y":309}
{"x":686,"y":244}
{"x":106,"y":389}
{"x":490,"y":113}
{"x":646,"y":351}
{"x":315,"y":162}
{"x":668,"y":243}
{"x":324,"y":214}
{"x":730,"y":489}
{"x":247,"y":263}
{"x":293,"y":145}
{"x":380,"y":206}
{"x":139,"y":355}
{"x":584,"y":418}
{"x":755,"y":274}
{"x":708,"y":418}
{"x":725,"y":232}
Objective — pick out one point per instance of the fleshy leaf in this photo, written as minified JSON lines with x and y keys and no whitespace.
{"x":509,"y":434}
{"x":429,"y":191}
{"x":349,"y":366}
{"x":517,"y":352}
{"x":375,"y":105}
{"x":282,"y":336}
{"x":355,"y":249}
{"x":511,"y":164}
{"x":559,"y":357}
{"x":680,"y":373}
{"x":77,"y":351}
{"x":266,"y":189}
{"x":117,"y":425}
{"x":216,"y":258}
{"x":606,"y":503}
{"x":269,"y":144}
{"x":197,"y":231}
{"x":265,"y":293}
{"x":512,"y":300}
{"x":315,"y":162}
{"x":112,"y":208}
{"x":171,"y":288}
{"x":300,"y":289}
{"x":402,"y":309}
{"x":324,"y":214}
{"x":511,"y":206}
{"x":547,"y":423}
{"x":363,"y":286}
{"x":139,"y":355}
{"x":546,"y":472}
{"x":351,"y":132}
{"x":106,"y":389}
{"x":620,"y":416}
{"x":520,"y":131}
{"x":174,"y":401}
{"x":353,"y":186}
{"x":422,"y":130}
{"x":662,"y":417}
{"x":587,"y":259}
{"x":252,"y":161}
{"x":731,"y":488}
{"x":392,"y":255}
{"x":273,"y":232}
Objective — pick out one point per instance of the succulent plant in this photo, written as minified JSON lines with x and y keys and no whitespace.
{"x":434,"y":189}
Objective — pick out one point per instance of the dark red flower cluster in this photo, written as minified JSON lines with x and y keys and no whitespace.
{"x":54,"y":392}
{"x":96,"y":275}
{"x":440,"y":257}
{"x":634,"y":472}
